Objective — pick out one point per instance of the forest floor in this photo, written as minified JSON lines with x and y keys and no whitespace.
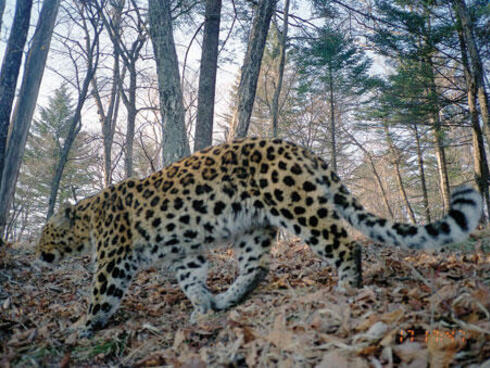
{"x":416,"y":309}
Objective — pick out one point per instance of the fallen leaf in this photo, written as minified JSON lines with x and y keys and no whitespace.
{"x":280,"y":335}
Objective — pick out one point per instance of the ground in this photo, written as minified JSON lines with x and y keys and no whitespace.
{"x":415,"y":309}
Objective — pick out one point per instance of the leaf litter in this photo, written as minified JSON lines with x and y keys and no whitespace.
{"x":416,"y":309}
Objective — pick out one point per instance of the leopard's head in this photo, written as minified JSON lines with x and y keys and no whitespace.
{"x":64,"y":233}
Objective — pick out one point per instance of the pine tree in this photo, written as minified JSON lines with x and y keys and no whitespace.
{"x":332,"y":65}
{"x":44,"y":146}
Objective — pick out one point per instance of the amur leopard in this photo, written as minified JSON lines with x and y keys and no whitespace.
{"x":241,"y":192}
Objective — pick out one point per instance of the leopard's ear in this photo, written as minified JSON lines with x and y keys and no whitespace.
{"x":65,"y":215}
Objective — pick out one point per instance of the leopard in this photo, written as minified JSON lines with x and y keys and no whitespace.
{"x":241,"y":193}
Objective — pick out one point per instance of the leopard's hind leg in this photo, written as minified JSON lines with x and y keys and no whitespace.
{"x":253,"y":261}
{"x":192,"y":271}
{"x":331,"y":241}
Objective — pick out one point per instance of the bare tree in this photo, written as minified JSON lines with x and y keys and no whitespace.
{"x":129,"y":56}
{"x":175,"y":143}
{"x":26,"y":103}
{"x":108,"y":118}
{"x":91,"y":54}
{"x":251,"y":68}
{"x":395,"y":154}
{"x":10,"y":69}
{"x":207,"y":76}
{"x":423,"y":182}
{"x":480,"y":162}
{"x":477,"y":72}
{"x":2,"y":8}
{"x":435,"y":120}
{"x":369,"y":156}
{"x":280,"y":72}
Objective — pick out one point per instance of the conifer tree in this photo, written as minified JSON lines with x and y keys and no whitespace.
{"x":44,"y":144}
{"x":332,"y":64}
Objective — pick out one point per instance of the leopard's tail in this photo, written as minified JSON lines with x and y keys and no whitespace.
{"x":462,"y":218}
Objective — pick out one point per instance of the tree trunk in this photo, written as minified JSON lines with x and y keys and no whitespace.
{"x":435,"y":120}
{"x":108,"y":121}
{"x":477,"y":72}
{"x":480,"y":163}
{"x":130,"y":103}
{"x":423,"y":183}
{"x":203,"y":136}
{"x":251,"y":68}
{"x":333,"y":145}
{"x":280,"y":72}
{"x":175,"y":143}
{"x":396,"y":163}
{"x":10,"y":68}
{"x":2,"y":8}
{"x":441,"y":162}
{"x":26,"y":103}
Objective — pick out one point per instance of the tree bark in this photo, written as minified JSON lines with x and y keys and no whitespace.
{"x":130,"y":102}
{"x":251,"y":68}
{"x":108,"y":119}
{"x":2,"y":9}
{"x":423,"y":183}
{"x":203,"y":136}
{"x":477,"y":72}
{"x":175,"y":143}
{"x":480,"y":163}
{"x":441,"y":161}
{"x":435,"y":120}
{"x":280,"y":71}
{"x":333,"y":145}
{"x":26,"y":103}
{"x":396,"y":163}
{"x":10,"y":69}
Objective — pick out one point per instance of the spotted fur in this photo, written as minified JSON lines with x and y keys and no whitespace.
{"x":241,"y":192}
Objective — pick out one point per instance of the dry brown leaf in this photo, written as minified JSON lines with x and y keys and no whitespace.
{"x":178,"y":339}
{"x":446,"y":292}
{"x":389,"y":338}
{"x":193,"y":362}
{"x":155,"y":360}
{"x":366,"y":322}
{"x":280,"y":335}
{"x":325,"y":338}
{"x":374,"y":334}
{"x":392,"y":317}
{"x":409,"y":352}
{"x":338,"y":359}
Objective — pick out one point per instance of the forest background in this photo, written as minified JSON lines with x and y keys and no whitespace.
{"x":392,"y":93}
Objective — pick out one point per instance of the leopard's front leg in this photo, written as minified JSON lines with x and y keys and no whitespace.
{"x":110,"y":283}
